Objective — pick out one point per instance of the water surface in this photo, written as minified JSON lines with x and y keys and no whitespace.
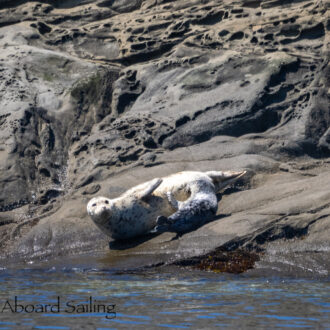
{"x":168,"y":297}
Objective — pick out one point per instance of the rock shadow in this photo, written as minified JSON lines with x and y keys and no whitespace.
{"x":136,"y":241}
{"x":132,"y":242}
{"x":215,"y":218}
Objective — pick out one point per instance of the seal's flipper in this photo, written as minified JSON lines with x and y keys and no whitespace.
{"x":150,"y":188}
{"x":190,"y":216}
{"x":161,"y":220}
{"x":221,"y":179}
{"x":171,"y":199}
{"x":162,"y":225}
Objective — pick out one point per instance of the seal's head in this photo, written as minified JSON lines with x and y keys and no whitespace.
{"x":99,"y":209}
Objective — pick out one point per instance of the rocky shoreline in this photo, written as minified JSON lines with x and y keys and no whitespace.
{"x":98,"y":96}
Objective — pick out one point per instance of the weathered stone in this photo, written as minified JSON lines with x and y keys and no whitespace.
{"x":97,"y":96}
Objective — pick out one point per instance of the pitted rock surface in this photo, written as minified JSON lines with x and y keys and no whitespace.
{"x":97,"y":96}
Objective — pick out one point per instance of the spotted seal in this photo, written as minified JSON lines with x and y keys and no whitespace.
{"x":177,"y":203}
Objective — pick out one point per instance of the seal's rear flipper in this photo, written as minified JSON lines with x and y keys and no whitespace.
{"x":150,"y":188}
{"x":221,"y":179}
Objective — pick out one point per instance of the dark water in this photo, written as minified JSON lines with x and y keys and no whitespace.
{"x":167,"y":297}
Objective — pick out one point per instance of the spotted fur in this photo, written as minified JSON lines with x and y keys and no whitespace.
{"x":179,"y":203}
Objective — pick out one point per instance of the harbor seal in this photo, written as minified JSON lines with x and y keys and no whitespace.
{"x":177,"y":203}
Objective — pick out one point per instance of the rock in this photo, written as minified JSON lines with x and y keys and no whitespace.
{"x":97,"y":96}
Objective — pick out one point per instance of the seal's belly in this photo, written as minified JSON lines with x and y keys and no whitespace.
{"x":179,"y":184}
{"x":138,"y":217}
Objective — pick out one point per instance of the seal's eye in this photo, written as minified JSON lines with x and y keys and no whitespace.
{"x":106,"y":202}
{"x":94,"y":204}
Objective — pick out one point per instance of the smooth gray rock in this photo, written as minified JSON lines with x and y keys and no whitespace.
{"x":97,"y":96}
